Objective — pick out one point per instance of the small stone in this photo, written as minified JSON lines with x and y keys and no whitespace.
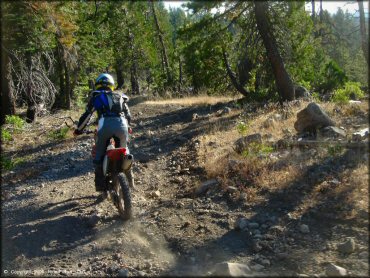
{"x":257,"y":267}
{"x":277,"y":117}
{"x":265,"y":262}
{"x":156,"y":194}
{"x":334,"y":270}
{"x":227,"y":110}
{"x":304,"y":229}
{"x":122,"y":273}
{"x":241,"y":224}
{"x":364,"y":255}
{"x":232,"y":189}
{"x":347,"y":247}
{"x":253,"y":225}
{"x":205,"y":186}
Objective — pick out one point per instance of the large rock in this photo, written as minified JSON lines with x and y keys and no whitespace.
{"x":232,"y":269}
{"x":301,"y":92}
{"x":242,"y":143}
{"x":312,"y":118}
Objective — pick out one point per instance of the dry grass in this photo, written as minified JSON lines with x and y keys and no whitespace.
{"x":190,"y":101}
{"x":255,"y":175}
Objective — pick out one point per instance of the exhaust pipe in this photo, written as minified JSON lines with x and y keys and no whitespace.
{"x":127,"y":162}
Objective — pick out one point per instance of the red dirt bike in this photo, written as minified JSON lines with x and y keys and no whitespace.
{"x":117,"y":169}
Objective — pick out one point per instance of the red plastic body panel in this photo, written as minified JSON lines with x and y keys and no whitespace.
{"x":115,"y":154}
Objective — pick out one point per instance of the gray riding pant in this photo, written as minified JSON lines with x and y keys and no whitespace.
{"x":108,"y":127}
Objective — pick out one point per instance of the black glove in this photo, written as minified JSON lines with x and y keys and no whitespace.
{"x":77,"y":132}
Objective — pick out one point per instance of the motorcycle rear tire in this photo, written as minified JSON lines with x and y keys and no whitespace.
{"x":124,"y":204}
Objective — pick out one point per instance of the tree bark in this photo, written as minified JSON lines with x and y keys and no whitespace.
{"x":120,"y":78}
{"x":313,"y":15}
{"x":7,"y":105}
{"x":364,"y":37}
{"x":163,"y":47}
{"x":68,"y":89}
{"x":232,"y":76}
{"x":180,"y":74}
{"x":283,"y":81}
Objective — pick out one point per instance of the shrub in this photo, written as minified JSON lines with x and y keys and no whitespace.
{"x":59,"y":134}
{"x":242,"y":128}
{"x":350,"y":89}
{"x":256,"y":149}
{"x":9,"y":164}
{"x":15,"y":121}
{"x":334,"y":77}
{"x":5,"y":135}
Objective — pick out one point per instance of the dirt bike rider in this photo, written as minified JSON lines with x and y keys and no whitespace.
{"x":112,"y":112}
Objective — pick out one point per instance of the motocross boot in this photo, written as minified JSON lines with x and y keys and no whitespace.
{"x":99,"y":179}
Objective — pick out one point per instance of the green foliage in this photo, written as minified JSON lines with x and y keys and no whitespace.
{"x":5,"y":135}
{"x":242,"y":128}
{"x":59,"y":134}
{"x":9,"y":164}
{"x":334,"y":150}
{"x":350,"y":90}
{"x":14,"y":121}
{"x":257,"y":149}
{"x":334,"y":77}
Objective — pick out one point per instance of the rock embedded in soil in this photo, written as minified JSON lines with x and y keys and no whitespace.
{"x":334,"y":270}
{"x":242,"y":143}
{"x":311,"y":118}
{"x":122,"y":273}
{"x":304,"y":229}
{"x":205,"y":186}
{"x":241,"y":224}
{"x":347,"y":247}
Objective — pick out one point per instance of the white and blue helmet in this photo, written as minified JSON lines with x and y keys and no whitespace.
{"x":104,"y":80}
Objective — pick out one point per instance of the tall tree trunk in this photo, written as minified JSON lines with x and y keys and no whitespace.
{"x":163,"y":47}
{"x":282,"y":79}
{"x":7,"y":105}
{"x":119,"y":72}
{"x":232,"y":76}
{"x":364,"y":37}
{"x":68,"y":89}
{"x":180,"y":74}
{"x":313,"y":15}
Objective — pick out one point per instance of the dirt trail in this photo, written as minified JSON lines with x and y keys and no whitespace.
{"x":54,"y":225}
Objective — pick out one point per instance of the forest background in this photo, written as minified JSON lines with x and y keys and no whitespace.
{"x":51,"y":52}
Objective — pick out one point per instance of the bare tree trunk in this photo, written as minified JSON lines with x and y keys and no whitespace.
{"x":180,"y":74}
{"x":68,"y":89}
{"x":282,"y":79}
{"x":119,"y":72}
{"x":163,"y":47}
{"x":232,"y":76}
{"x":364,"y":37}
{"x":7,"y":105}
{"x":313,"y":15}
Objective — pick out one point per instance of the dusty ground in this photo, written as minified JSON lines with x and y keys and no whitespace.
{"x":52,"y":224}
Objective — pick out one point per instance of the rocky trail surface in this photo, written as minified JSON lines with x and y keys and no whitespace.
{"x":54,"y":225}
